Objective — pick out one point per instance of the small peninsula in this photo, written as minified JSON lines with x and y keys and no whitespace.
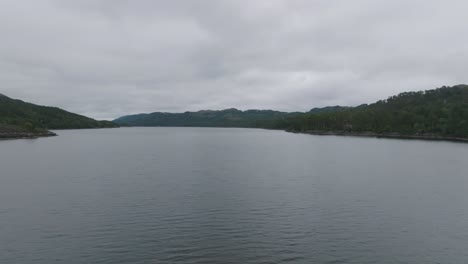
{"x":13,"y":132}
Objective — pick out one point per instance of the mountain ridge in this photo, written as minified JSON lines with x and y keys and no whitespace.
{"x":230,"y":117}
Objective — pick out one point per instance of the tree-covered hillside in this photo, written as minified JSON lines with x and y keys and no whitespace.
{"x":439,"y":112}
{"x":207,"y":118}
{"x":34,"y":117}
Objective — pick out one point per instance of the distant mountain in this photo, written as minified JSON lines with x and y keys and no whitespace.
{"x":441,"y":112}
{"x":16,"y":115}
{"x":207,"y":118}
{"x":328,"y":109}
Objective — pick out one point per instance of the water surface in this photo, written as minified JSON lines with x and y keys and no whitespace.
{"x":214,"y":195}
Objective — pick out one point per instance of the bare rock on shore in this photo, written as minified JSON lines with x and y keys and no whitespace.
{"x":11,"y":132}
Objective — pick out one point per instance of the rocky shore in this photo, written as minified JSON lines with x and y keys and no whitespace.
{"x":382,"y":135}
{"x":18,"y":135}
{"x":14,"y":132}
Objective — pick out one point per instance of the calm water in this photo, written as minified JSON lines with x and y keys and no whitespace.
{"x":206,"y":195}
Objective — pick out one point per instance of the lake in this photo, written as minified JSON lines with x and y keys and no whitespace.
{"x":227,"y":195}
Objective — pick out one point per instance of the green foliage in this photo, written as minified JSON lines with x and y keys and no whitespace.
{"x":207,"y":118}
{"x":33,"y":117}
{"x":19,"y":129}
{"x":439,"y":112}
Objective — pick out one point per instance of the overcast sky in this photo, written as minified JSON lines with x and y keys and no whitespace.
{"x":107,"y":58}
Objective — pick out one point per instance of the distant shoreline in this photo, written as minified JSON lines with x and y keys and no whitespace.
{"x":31,"y":135}
{"x":380,"y":135}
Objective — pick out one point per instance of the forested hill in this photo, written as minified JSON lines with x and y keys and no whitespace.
{"x":207,"y":118}
{"x":441,"y":112}
{"x":16,"y":113}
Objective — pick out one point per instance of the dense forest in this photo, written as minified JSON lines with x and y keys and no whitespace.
{"x":26,"y":116}
{"x":439,"y":112}
{"x":208,"y":118}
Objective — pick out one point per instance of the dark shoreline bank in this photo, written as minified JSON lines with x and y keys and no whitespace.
{"x":381,"y":135}
{"x":16,"y":133}
{"x":26,"y":135}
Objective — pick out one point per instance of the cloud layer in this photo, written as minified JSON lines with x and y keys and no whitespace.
{"x":107,"y":58}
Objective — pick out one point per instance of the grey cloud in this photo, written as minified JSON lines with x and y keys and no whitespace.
{"x":106,"y":58}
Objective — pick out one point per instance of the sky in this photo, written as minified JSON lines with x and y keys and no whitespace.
{"x":108,"y":58}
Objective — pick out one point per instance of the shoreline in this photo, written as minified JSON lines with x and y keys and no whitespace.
{"x":31,"y":135}
{"x":381,"y":135}
{"x":25,"y":135}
